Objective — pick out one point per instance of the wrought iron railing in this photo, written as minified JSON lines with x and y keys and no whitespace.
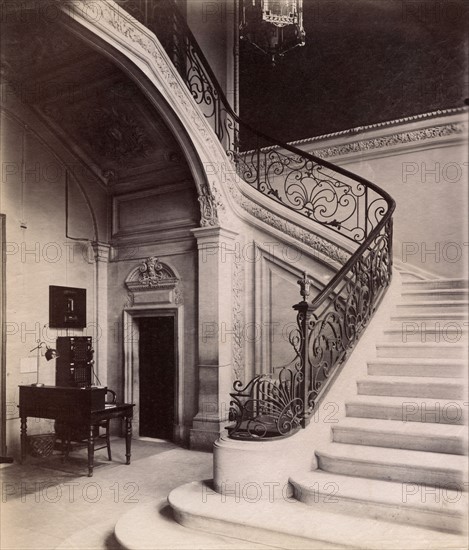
{"x":276,"y":405}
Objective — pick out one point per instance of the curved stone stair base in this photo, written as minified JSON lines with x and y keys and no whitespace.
{"x":400,"y":453}
{"x":391,"y":468}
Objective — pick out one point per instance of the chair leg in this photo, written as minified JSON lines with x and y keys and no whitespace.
{"x":68,"y":444}
{"x":108,"y":440}
{"x":63,"y":446}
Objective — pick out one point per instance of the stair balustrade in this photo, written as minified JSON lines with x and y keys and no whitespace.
{"x":279,"y":404}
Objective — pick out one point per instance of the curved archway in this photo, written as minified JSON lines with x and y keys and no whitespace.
{"x":210,"y":204}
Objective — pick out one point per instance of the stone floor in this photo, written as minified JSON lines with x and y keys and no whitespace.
{"x":49,"y":504}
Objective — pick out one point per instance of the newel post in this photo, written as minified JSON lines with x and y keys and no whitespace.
{"x":303,"y":320}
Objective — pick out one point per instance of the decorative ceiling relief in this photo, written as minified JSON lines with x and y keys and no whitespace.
{"x":115,"y":135}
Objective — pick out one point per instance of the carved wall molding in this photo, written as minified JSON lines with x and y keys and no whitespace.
{"x":151,"y":274}
{"x":380,"y":125}
{"x":308,"y":238}
{"x":178,"y":296}
{"x":153,"y":281}
{"x":101,"y":251}
{"x":237,"y":346}
{"x":209,"y":207}
{"x":399,"y":138}
{"x":407,"y":137}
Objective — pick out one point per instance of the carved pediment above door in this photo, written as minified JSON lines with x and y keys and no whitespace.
{"x":153,"y":281}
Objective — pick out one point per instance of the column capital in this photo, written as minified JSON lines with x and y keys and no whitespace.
{"x":101,"y":251}
{"x":208,"y":234}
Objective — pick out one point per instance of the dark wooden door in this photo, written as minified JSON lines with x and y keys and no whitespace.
{"x":157,"y":358}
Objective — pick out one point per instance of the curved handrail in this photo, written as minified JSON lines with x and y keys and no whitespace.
{"x":212,"y":81}
{"x":330,"y":325}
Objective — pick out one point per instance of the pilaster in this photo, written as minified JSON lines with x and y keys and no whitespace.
{"x":217,"y":253}
{"x":101,"y":256}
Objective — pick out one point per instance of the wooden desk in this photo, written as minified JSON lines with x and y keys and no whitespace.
{"x":74,"y":407}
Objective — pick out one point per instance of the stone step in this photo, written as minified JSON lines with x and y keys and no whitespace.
{"x":435,"y":284}
{"x":435,"y":295}
{"x":400,"y":465}
{"x":419,"y":349}
{"x":406,"y":409}
{"x":440,"y":317}
{"x":441,"y":368}
{"x":407,"y":386}
{"x":427,"y":331}
{"x":408,"y":503}
{"x":432,"y":307}
{"x":283,"y":523}
{"x":415,"y":436}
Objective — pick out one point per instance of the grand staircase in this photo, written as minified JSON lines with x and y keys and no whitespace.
{"x":394,"y":473}
{"x":400,"y":452}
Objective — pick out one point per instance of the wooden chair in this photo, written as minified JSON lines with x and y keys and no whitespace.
{"x":81,"y":435}
{"x":111,"y":399}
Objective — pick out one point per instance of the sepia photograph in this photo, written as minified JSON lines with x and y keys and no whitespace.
{"x":234,"y":292}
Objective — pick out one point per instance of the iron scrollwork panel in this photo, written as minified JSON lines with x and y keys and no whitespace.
{"x":268,"y":407}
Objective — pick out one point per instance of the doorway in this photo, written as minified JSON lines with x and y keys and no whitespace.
{"x":157,"y":376}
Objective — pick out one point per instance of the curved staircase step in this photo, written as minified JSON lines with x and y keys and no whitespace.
{"x":432,"y":307}
{"x":449,"y":332}
{"x":395,"y":465}
{"x":408,"y":386}
{"x":421,"y":367}
{"x":416,"y":436}
{"x":292,"y":524}
{"x":430,"y":507}
{"x":436,"y":295}
{"x":435,"y":284}
{"x":419,"y":349}
{"x":407,"y":409}
{"x":440,"y":316}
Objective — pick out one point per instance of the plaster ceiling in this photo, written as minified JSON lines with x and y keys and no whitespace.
{"x":91,"y":104}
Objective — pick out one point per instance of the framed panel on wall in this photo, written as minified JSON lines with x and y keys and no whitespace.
{"x":67,"y":307}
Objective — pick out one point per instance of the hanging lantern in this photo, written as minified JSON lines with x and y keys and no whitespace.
{"x":272,"y":26}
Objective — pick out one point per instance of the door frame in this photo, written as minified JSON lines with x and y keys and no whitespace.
{"x":132,"y":362}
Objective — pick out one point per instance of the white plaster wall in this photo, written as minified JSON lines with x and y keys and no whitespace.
{"x":38,"y":255}
{"x":423,"y":164}
{"x":430,"y":190}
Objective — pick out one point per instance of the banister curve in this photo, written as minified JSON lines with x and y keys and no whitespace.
{"x":277,"y":405}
